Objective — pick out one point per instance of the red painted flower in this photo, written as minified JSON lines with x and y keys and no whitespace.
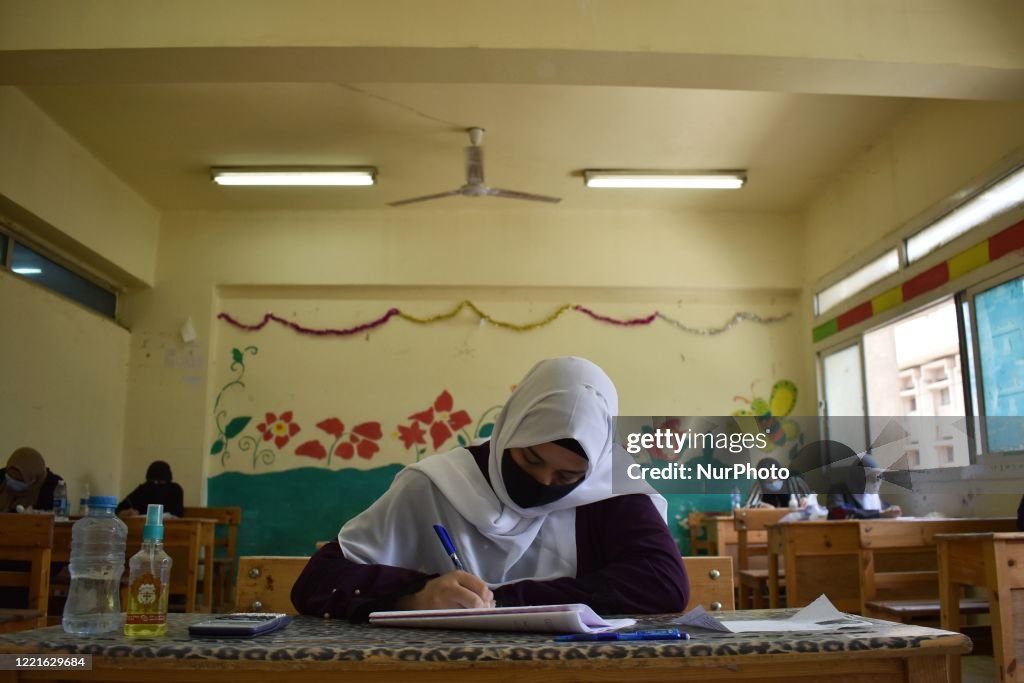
{"x":411,"y":434}
{"x":312,"y":449}
{"x":280,"y":429}
{"x":362,"y":441}
{"x":443,"y":422}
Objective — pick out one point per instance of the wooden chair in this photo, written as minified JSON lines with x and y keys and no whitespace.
{"x":26,"y":538}
{"x":699,"y":544}
{"x":710,"y":582}
{"x":225,"y":549}
{"x":752,"y":541}
{"x":265,"y":583}
{"x":182,"y":542}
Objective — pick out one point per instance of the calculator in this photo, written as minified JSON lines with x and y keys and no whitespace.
{"x":240,"y":624}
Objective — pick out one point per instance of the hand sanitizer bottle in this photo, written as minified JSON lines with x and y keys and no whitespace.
{"x":149,"y":580}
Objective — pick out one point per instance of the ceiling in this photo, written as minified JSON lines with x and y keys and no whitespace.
{"x":162,"y":138}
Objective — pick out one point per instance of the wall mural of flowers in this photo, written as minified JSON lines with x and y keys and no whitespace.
{"x":428,"y":430}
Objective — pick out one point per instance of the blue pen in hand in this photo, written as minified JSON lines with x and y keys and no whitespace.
{"x":655,"y":634}
{"x":449,"y":547}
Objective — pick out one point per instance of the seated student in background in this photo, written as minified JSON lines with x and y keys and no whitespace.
{"x":856,"y":495}
{"x":26,"y":481}
{"x":532,"y":514}
{"x":775,"y":493}
{"x":1020,"y":515}
{"x":159,"y":489}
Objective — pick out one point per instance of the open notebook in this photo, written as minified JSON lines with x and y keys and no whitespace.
{"x":575,"y":618}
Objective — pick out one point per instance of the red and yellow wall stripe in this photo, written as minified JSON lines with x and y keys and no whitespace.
{"x":1009,"y":240}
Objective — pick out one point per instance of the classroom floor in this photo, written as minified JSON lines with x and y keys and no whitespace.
{"x":978,"y":669}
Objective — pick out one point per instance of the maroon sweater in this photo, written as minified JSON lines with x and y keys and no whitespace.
{"x":626,"y":563}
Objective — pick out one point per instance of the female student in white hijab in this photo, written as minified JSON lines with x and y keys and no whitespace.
{"x":532,"y":513}
{"x":856,"y":495}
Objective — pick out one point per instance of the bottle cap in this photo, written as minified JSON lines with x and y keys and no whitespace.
{"x":154,"y":529}
{"x":102,"y":502}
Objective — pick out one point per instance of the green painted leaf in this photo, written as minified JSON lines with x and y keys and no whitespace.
{"x":236,"y":426}
{"x":236,"y":355}
{"x":217,"y":447}
{"x":486,"y":430}
{"x":462,"y":440}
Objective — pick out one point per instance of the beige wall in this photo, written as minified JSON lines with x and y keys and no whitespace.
{"x":936,"y":150}
{"x":334,"y":269}
{"x":63,"y":389}
{"x":71,"y":200}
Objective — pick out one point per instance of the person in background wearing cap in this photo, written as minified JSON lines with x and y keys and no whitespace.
{"x":856,"y":496}
{"x":159,"y":489}
{"x":532,"y":513}
{"x":26,"y":482}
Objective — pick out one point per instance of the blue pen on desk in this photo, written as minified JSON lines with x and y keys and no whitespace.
{"x":655,"y":634}
{"x":449,"y":547}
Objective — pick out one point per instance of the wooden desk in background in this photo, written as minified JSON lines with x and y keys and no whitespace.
{"x":856,"y":561}
{"x":206,"y":530}
{"x":328,"y":649}
{"x":994,"y":561}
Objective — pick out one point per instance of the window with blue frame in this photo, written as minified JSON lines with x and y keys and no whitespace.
{"x":1000,"y":336}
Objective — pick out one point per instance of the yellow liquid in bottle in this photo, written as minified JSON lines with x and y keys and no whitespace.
{"x":148,"y":591}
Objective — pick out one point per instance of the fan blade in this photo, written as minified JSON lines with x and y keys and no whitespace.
{"x":512,"y":194}
{"x":425,"y":198}
{"x":474,"y":165}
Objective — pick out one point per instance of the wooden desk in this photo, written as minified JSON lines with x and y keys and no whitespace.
{"x":996,"y":562}
{"x":856,"y":561}
{"x":316,"y":649}
{"x":207,"y":527}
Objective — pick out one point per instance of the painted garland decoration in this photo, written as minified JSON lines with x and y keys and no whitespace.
{"x":503,"y":324}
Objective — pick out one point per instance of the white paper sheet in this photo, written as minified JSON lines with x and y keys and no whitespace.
{"x":573,"y":618}
{"x":820,"y":615}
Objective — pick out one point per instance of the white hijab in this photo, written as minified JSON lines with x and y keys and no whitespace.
{"x":560,"y":398}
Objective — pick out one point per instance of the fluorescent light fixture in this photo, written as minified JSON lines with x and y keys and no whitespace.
{"x":883,"y":266}
{"x":709,"y":180}
{"x":307,"y":176}
{"x":999,"y":197}
{"x":27,"y":271}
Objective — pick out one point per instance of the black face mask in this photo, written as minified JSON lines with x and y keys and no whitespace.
{"x":527,"y":492}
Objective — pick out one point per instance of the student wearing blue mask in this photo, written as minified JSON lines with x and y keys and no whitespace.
{"x":26,"y":482}
{"x":532,"y":513}
{"x":775,"y":493}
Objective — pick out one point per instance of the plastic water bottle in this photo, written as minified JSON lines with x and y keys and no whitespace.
{"x":794,"y":502}
{"x":734,"y":499}
{"x":83,"y":502}
{"x":97,"y":563}
{"x":60,"y":501}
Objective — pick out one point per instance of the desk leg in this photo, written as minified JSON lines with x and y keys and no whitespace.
{"x":208,"y":574}
{"x":926,"y":669}
{"x":1001,"y":608}
{"x":949,"y":603}
{"x":773,"y":580}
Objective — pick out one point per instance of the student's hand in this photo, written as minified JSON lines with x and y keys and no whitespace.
{"x":891,"y":511}
{"x":453,"y":590}
{"x":126,"y":513}
{"x":763,"y":504}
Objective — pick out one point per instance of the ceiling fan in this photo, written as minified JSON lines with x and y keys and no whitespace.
{"x":474,"y":186}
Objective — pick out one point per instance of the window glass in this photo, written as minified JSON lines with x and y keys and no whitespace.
{"x":844,"y":397}
{"x":36,"y":267}
{"x":1000,"y":315}
{"x":914,"y":379}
